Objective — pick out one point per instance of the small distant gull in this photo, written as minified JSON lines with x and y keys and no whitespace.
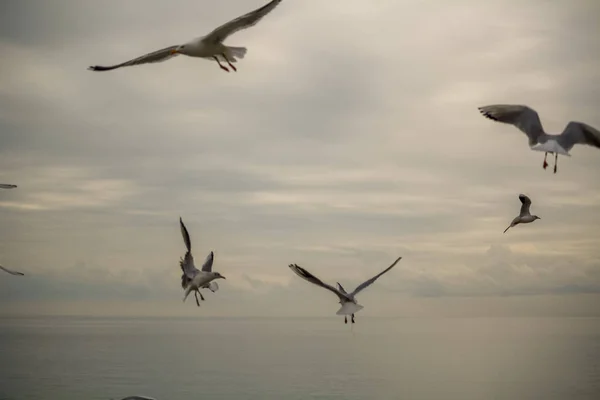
{"x":7,"y":186}
{"x":193,"y":279}
{"x":347,"y":300}
{"x":11,"y":271}
{"x":524,"y":216}
{"x":528,"y":122}
{"x":209,"y":47}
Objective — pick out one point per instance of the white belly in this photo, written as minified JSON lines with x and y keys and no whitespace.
{"x":551,"y":146}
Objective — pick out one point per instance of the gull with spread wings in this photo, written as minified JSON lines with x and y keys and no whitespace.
{"x":528,"y":122}
{"x":348,"y":301}
{"x":524,"y":216}
{"x":192,"y":278}
{"x":209,"y":47}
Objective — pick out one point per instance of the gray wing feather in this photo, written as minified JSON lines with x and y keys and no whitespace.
{"x":523,"y":117}
{"x":11,"y":271}
{"x":154,"y":57}
{"x":245,"y":21}
{"x":373,"y":279}
{"x":307,"y":276}
{"x":208,"y":263}
{"x":187,"y":263}
{"x":579,"y":133}
{"x":525,"y":204}
{"x":186,"y":235}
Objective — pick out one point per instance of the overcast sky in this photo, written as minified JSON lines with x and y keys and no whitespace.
{"x":349,"y":136}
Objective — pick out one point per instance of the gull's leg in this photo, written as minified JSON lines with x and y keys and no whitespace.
{"x":352,"y":318}
{"x":196,"y":296}
{"x":345,"y":319}
{"x":545,"y":162}
{"x":228,"y":62}
{"x":224,"y":68}
{"x":200,"y":293}
{"x":555,"y":162}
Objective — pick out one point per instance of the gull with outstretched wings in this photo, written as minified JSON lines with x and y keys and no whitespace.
{"x":528,"y":121}
{"x":192,"y":278}
{"x":208,"y":47}
{"x":348,"y":301}
{"x":524,"y":216}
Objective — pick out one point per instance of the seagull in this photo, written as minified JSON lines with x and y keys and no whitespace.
{"x":7,"y":186}
{"x":193,"y":279}
{"x":209,"y":47}
{"x":347,"y":300}
{"x":528,"y":122}
{"x":11,"y":271}
{"x":524,"y":216}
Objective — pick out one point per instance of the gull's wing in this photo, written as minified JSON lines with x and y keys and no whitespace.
{"x":245,"y":21}
{"x":208,"y":263}
{"x":187,"y":263}
{"x":579,"y":133}
{"x":186,"y":235}
{"x":525,"y":203}
{"x":154,"y":57}
{"x":307,"y":276}
{"x":373,"y":279}
{"x":341,"y":288}
{"x":11,"y":271}
{"x":523,"y":117}
{"x":7,"y":186}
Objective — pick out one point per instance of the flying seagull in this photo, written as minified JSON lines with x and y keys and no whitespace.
{"x":524,"y":216}
{"x":193,"y":279}
{"x":11,"y":271}
{"x":209,"y":47}
{"x":528,"y":122}
{"x":347,"y":300}
{"x":7,"y":186}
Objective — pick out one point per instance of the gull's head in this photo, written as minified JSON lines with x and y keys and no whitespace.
{"x":219,"y":276}
{"x":535,"y":217}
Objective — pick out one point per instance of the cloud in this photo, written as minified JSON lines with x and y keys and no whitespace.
{"x":334,"y":147}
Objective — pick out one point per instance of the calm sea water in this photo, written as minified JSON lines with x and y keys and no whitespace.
{"x":173,"y":359}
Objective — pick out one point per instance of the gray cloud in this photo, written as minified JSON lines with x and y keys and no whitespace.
{"x":338,"y":147}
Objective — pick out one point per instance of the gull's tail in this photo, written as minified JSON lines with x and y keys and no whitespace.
{"x":349,"y":309}
{"x":236,"y":52}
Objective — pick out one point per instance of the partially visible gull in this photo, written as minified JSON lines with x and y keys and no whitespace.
{"x":209,"y":47}
{"x":11,"y":271}
{"x":347,"y":300}
{"x":528,"y":122}
{"x":7,"y":186}
{"x":524,"y":216}
{"x":193,"y":279}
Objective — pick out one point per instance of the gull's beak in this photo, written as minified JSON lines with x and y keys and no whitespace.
{"x":223,"y":277}
{"x":174,"y":51}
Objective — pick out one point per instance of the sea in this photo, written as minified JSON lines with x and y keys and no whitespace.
{"x":72,"y":358}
